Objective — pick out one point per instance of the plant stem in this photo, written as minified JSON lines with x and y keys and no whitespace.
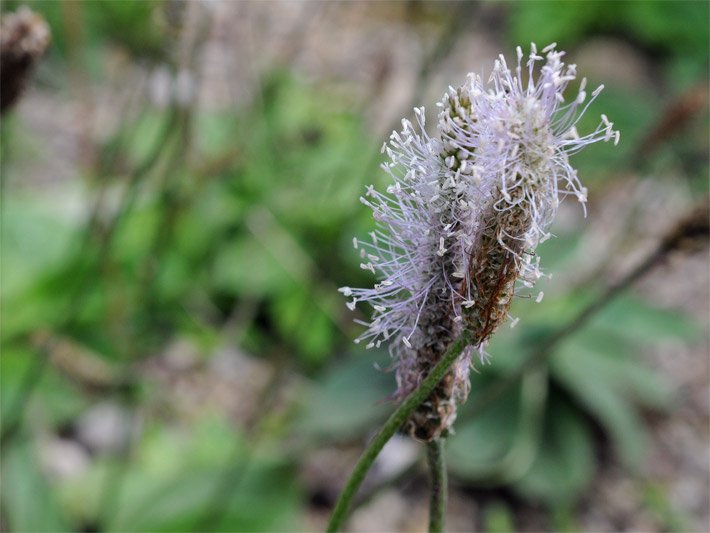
{"x":393,"y":423}
{"x":437,"y":500}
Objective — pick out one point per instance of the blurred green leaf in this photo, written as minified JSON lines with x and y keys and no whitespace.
{"x":545,"y":22}
{"x":633,"y":113}
{"x":129,"y":23}
{"x":215,"y":134}
{"x":132,"y":24}
{"x":559,"y":250}
{"x":483,"y":441}
{"x":510,"y":347}
{"x":348,"y":400}
{"x":29,"y":502}
{"x":213,"y":214}
{"x":614,"y":360}
{"x":563,"y":518}
{"x":591,"y":377}
{"x":498,"y":518}
{"x":264,"y":498}
{"x":304,"y":324}
{"x":134,"y":236}
{"x":152,"y":128}
{"x":679,"y":27}
{"x":54,"y":400}
{"x":36,"y":237}
{"x":177,"y":481}
{"x":637,"y":321}
{"x":267,"y":499}
{"x":245,"y":267}
{"x":565,"y":464}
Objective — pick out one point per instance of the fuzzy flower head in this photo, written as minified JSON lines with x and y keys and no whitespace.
{"x":458,"y":227}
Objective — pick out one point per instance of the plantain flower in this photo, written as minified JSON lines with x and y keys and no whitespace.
{"x":456,"y":230}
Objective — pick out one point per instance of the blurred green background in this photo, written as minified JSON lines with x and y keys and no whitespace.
{"x":180,"y":190}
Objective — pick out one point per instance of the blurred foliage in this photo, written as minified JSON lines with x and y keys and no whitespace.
{"x":658,"y":502}
{"x":234,"y":227}
{"x":498,"y":519}
{"x":676,"y":28}
{"x":31,"y":505}
{"x":595,"y":378}
{"x":340,"y":406}
{"x":672,"y":34}
{"x":140,"y":27}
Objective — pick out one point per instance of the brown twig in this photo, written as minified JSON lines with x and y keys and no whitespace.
{"x":676,"y":116}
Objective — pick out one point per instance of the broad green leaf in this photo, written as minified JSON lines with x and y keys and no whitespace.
{"x":636,"y":320}
{"x":680,"y":27}
{"x":36,"y":236}
{"x":565,"y":463}
{"x":132,"y":24}
{"x":597,"y":388}
{"x":483,"y":441}
{"x":149,"y":130}
{"x":317,"y":337}
{"x":263,"y":497}
{"x":348,"y":400}
{"x":181,"y":477}
{"x":36,"y":308}
{"x":267,"y":498}
{"x":614,"y":360}
{"x":212,"y":217}
{"x":176,"y":277}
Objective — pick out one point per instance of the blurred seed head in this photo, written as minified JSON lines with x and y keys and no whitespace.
{"x":24,"y":36}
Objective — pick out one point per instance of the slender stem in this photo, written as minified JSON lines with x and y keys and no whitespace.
{"x":437,"y":500}
{"x":393,"y":423}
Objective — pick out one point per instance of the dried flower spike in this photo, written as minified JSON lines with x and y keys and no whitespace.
{"x":457,"y":229}
{"x":24,"y":36}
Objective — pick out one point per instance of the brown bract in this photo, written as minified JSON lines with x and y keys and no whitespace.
{"x":494,"y":269}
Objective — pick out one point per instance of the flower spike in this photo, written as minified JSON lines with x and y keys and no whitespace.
{"x":458,"y":228}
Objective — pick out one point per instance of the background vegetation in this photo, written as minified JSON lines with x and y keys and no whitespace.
{"x":179,"y":195}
